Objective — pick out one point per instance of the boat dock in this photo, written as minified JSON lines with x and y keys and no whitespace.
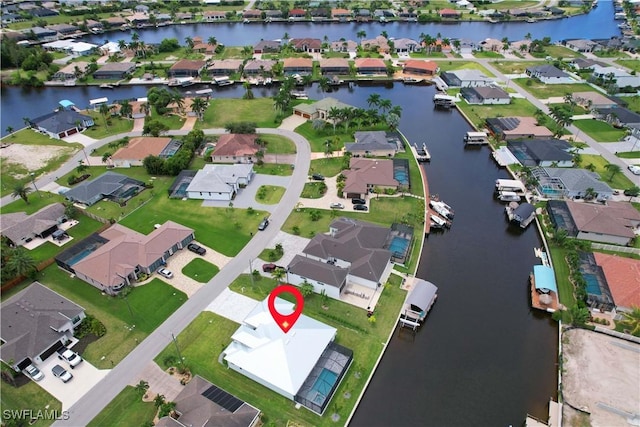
{"x":544,"y":291}
{"x":421,"y":155}
{"x":416,"y":306}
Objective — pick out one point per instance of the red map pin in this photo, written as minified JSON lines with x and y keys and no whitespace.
{"x":285,"y":321}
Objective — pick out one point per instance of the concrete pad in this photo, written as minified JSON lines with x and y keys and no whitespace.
{"x":232,"y":305}
{"x":160,"y":382}
{"x":291,"y":245}
{"x":292,"y":122}
{"x":246,"y":197}
{"x":80,"y":138}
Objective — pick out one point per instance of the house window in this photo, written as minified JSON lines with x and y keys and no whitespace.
{"x":75,"y":319}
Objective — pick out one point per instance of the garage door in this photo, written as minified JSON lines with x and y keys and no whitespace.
{"x":48,"y":352}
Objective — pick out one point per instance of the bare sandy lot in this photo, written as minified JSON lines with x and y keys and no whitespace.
{"x":32,"y":157}
{"x":601,"y":376}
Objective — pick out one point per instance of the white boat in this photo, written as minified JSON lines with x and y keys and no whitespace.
{"x":439,"y":222}
{"x":508,"y":196}
{"x":222,"y":81}
{"x":299,"y":95}
{"x":106,"y":86}
{"x":411,"y":80}
{"x":441,"y":209}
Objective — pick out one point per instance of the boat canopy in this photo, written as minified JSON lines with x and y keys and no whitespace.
{"x":544,"y":278}
{"x":510,"y":184}
{"x":422,"y":294}
{"x":65,"y":103}
{"x":98,"y":101}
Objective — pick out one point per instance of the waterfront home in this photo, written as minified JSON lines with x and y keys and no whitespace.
{"x":273,"y":14}
{"x":491,"y":45}
{"x":620,"y":77}
{"x":110,"y":185}
{"x":19,"y":228}
{"x":465,"y":46}
{"x":549,"y":74}
{"x":119,"y":256}
{"x":618,"y":116}
{"x":63,"y":29}
{"x":219,"y":182}
{"x":623,"y":279}
{"x":593,"y":100}
{"x":297,"y":13}
{"x":319,"y":109}
{"x":450,"y":14}
{"x":559,"y":183}
{"x":371,"y":143}
{"x":582,"y":45}
{"x":407,"y":15}
{"x":334,"y":66}
{"x":308,"y":45}
{"x":341,"y":14}
{"x":141,"y":8}
{"x":225,"y":67}
{"x":542,"y":152}
{"x":585,"y":64}
{"x":186,"y":68}
{"x":184,"y":16}
{"x":612,"y":223}
{"x":62,"y":123}
{"x":384,"y":13}
{"x":380,"y":44}
{"x":202,"y":47}
{"x":42,"y":34}
{"x":370,"y":66}
{"x":298,"y":360}
{"x":466,"y":78}
{"x":297,"y":66}
{"x":345,"y":46}
{"x":115,"y":21}
{"x":252,"y":14}
{"x":35,"y":323}
{"x":485,"y":95}
{"x":258,"y":67}
{"x":71,"y":71}
{"x":235,"y":148}
{"x":517,"y":128}
{"x":320,"y":14}
{"x":364,"y":175}
{"x":420,"y":67}
{"x":267,"y":46}
{"x":114,"y":70}
{"x":141,"y":147}
{"x":406,"y":46}
{"x":71,"y":47}
{"x":213,"y":15}
{"x":138,"y":19}
{"x":200,"y":403}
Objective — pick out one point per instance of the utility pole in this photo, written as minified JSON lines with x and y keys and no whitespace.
{"x":173,"y":337}
{"x":251,"y":272}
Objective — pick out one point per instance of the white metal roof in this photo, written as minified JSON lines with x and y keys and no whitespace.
{"x":98,"y":101}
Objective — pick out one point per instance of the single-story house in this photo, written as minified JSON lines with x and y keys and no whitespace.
{"x":320,"y":109}
{"x":370,"y":66}
{"x":420,"y":67}
{"x":341,"y":14}
{"x":466,"y":78}
{"x":42,"y":33}
{"x":549,"y":74}
{"x":187,"y":68}
{"x":213,"y":15}
{"x":138,"y":19}
{"x":404,"y":45}
{"x":371,"y":143}
{"x":114,"y":70}
{"x":118,"y":256}
{"x":71,"y":71}
{"x":273,"y":14}
{"x":200,"y":403}
{"x":141,"y":147}
{"x":267,"y":46}
{"x":141,"y":8}
{"x":297,"y":65}
{"x":623,"y":279}
{"x":306,"y":45}
{"x":19,"y":228}
{"x":252,"y":14}
{"x":491,"y":45}
{"x":324,"y":276}
{"x":184,"y":16}
{"x":334,"y":66}
{"x":463,"y":46}
{"x":296,"y":359}
{"x":582,"y":45}
{"x":485,"y":95}
{"x":558,"y":183}
{"x":619,"y":116}
{"x":585,"y":63}
{"x":235,"y":148}
{"x":542,"y":152}
{"x":613,"y":223}
{"x":591,"y":100}
{"x":320,"y":13}
{"x":258,"y":66}
{"x":63,"y":29}
{"x":364,"y":175}
{"x":379,"y":44}
{"x":220,"y":182}
{"x":450,"y":14}
{"x":344,"y":46}
{"x":517,"y":128}
{"x":115,"y":21}
{"x":35,"y":323}
{"x":408,"y":15}
{"x":62,"y":123}
{"x":225,"y":67}
{"x":206,"y":48}
{"x":71,"y":47}
{"x":619,"y":76}
{"x":109,"y":185}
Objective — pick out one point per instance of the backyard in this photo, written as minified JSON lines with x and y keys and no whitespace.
{"x":328,"y":166}
{"x":223,"y":111}
{"x":463,"y":65}
{"x":318,"y":137}
{"x":28,"y":396}
{"x":619,"y":180}
{"x":278,"y":144}
{"x":515,"y":67}
{"x":599,"y":130}
{"x":114,"y":125}
{"x":126,"y":409}
{"x":477,"y":114}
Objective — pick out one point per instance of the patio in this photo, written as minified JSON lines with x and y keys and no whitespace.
{"x":37,"y":241}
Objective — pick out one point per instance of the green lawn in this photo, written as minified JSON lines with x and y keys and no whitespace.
{"x":463,"y":65}
{"x":269,"y":194}
{"x":126,"y":409}
{"x":35,"y":203}
{"x":633,"y":103}
{"x":172,"y":121}
{"x":513,"y":4}
{"x":277,"y":144}
{"x":631,"y":64}
{"x":599,"y":130}
{"x":619,"y":180}
{"x":629,"y":155}
{"x":318,"y":138}
{"x":271,"y":254}
{"x":479,"y":113}
{"x":114,"y":126}
{"x":28,"y":396}
{"x":487,"y":54}
{"x":203,"y":340}
{"x":222,"y":111}
{"x":273,"y":169}
{"x":556,"y":51}
{"x":515,"y":67}
{"x":200,"y":270}
{"x":329,"y":166}
{"x":543,"y":91}
{"x":561,"y":270}
{"x":84,"y":228}
{"x":314,"y":190}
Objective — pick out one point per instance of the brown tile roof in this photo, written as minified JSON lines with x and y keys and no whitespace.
{"x":308,"y":42}
{"x":365,"y":172}
{"x":206,"y":47}
{"x":226,"y":64}
{"x":235,"y":144}
{"x":297,"y":62}
{"x":528,"y":126}
{"x":213,"y":13}
{"x":188,"y":64}
{"x":141,"y":147}
{"x":623,"y":278}
{"x":340,"y":12}
{"x":334,"y":62}
{"x":614,"y":218}
{"x":421,"y":65}
{"x":370,"y":63}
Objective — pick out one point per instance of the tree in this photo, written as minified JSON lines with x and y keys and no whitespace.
{"x":81,"y":167}
{"x":125,"y":108}
{"x":631,"y":321}
{"x":154,"y":128}
{"x":158,"y":401}
{"x":212,"y":41}
{"x":590,"y":193}
{"x":20,"y":263}
{"x":614,"y":169}
{"x":248,"y":94}
{"x":278,"y":274}
{"x":385,"y":105}
{"x":189,"y":42}
{"x":306,"y":289}
{"x":105,"y":111}
{"x":198,"y":106}
{"x":568,"y":99}
{"x":373,"y":100}
{"x":334,"y":115}
{"x":361,"y":34}
{"x":539,"y":116}
{"x":323,"y":82}
{"x":142,"y":387}
{"x":22,"y":191}
{"x":10,"y":130}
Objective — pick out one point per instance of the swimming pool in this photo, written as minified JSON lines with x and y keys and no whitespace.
{"x":181,"y":191}
{"x":323,"y":385}
{"x":593,"y":285}
{"x":399,"y":245}
{"x":80,"y":256}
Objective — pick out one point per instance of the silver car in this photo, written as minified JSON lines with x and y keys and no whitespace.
{"x":35,"y":373}
{"x":165,"y":273}
{"x":60,"y":372}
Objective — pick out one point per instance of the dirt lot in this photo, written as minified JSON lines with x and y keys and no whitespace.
{"x":32,"y":157}
{"x":599,"y":371}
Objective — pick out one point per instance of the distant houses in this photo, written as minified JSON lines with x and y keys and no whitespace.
{"x":320,"y":109}
{"x":485,"y":95}
{"x":549,"y":74}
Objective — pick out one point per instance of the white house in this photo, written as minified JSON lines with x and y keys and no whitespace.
{"x":328,"y":278}
{"x":549,"y":74}
{"x":621,"y":77}
{"x":220,"y":182}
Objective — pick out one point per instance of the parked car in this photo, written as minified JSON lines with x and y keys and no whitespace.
{"x":631,"y":192}
{"x":60,"y":372}
{"x":35,"y":373}
{"x":69,"y":356}
{"x":165,"y":273}
{"x":196,"y":249}
{"x":268,"y":268}
{"x":336,"y":206}
{"x":263,"y":224}
{"x":358,"y":201}
{"x":317,"y":177}
{"x":360,"y":208}
{"x":634,"y":169}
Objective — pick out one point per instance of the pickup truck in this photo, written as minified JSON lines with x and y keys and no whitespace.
{"x":69,"y":356}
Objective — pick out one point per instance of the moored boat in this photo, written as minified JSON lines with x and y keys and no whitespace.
{"x":419,"y":301}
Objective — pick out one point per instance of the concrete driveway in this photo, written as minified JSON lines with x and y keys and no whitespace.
{"x":247,"y":196}
{"x":81,"y":138}
{"x":85,"y":376}
{"x":291,"y":245}
{"x":331,"y":196}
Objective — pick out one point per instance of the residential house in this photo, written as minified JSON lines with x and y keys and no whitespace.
{"x":585,"y":64}
{"x":19,"y":228}
{"x":363,"y":15}
{"x":611,"y":223}
{"x":308,"y":45}
{"x":114,"y":70}
{"x":138,"y":19}
{"x":320,"y":14}
{"x":115,"y":21}
{"x":542,"y":152}
{"x":619,"y":116}
{"x":42,"y":12}
{"x":334,"y":66}
{"x":623,"y":279}
{"x":485,"y":95}
{"x":63,"y":29}
{"x":364,"y":175}
{"x":71,"y":47}
{"x":259,"y":67}
{"x":341,"y":14}
{"x":213,"y":15}
{"x":71,"y":71}
{"x":379,"y":44}
{"x":466,"y":78}
{"x":558,"y":183}
{"x":593,"y":100}
{"x":186,"y":68}
{"x":252,"y":14}
{"x":235,"y":148}
{"x":110,"y":185}
{"x":344,"y":46}
{"x":491,"y":45}
{"x":408,"y":15}
{"x":406,"y":46}
{"x":371,"y":143}
{"x":273,"y":14}
{"x":620,"y":77}
{"x":35,"y":323}
{"x":582,"y":45}
{"x":42,"y":34}
{"x":320,"y":109}
{"x":297,"y":14}
{"x":184,"y":16}
{"x":61,"y":123}
{"x":369,"y":66}
{"x":549,"y":74}
{"x":267,"y":46}
{"x":220,"y":182}
{"x":420,"y":67}
{"x":200,"y":403}
{"x":119,"y":256}
{"x":141,"y":147}
{"x":202,"y":47}
{"x":450,"y":14}
{"x":297,"y":66}
{"x":225,"y":67}
{"x":296,"y":359}
{"x":141,"y":8}
{"x":383,"y":13}
{"x":324,"y":276}
{"x":464,"y":46}
{"x":517,"y":128}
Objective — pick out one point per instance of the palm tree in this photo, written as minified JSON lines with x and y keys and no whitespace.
{"x":614,"y":169}
{"x":631,"y":320}
{"x":278,"y":274}
{"x":145,"y":108}
{"x":212,"y":41}
{"x":527,"y":36}
{"x":539,"y":116}
{"x":198,"y":106}
{"x":27,"y":121}
{"x":361,"y":34}
{"x":248,"y":94}
{"x":105,"y":157}
{"x":568,"y":99}
{"x":189,"y":41}
{"x":385,"y":105}
{"x":396,"y":110}
{"x":373,"y":100}
{"x":122,"y":45}
{"x":22,"y":191}
{"x":323,"y":82}
{"x":334,"y":115}
{"x":178,"y":99}
{"x":10,"y":130}
{"x":20,"y":262}
{"x":125,"y":108}
{"x":104,"y":112}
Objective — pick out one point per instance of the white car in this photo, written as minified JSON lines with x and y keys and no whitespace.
{"x":69,"y":356}
{"x":634,"y":169}
{"x":336,"y":206}
{"x":35,"y":373}
{"x":165,"y":273}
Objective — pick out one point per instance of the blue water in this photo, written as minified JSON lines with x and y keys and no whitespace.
{"x":182,"y":189}
{"x":398,"y":245}
{"x":401,"y":176}
{"x":593,"y":286}
{"x":323,"y":385}
{"x":85,"y":253}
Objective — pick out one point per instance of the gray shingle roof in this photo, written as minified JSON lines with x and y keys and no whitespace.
{"x":320,"y":271}
{"x":60,"y":121}
{"x":17,"y":226}
{"x":578,"y":180}
{"x":92,"y":191}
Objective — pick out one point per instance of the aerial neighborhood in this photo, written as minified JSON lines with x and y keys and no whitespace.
{"x":148,"y":217}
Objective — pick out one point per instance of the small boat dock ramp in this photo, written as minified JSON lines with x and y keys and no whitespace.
{"x":476,"y":138}
{"x":421,"y":154}
{"x":544,"y":291}
{"x":444,"y":101}
{"x":416,"y":306}
{"x":521,"y":214}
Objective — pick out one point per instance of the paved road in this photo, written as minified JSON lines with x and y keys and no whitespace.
{"x":98,"y":397}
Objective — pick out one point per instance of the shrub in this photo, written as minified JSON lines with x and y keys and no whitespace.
{"x":296,"y":230}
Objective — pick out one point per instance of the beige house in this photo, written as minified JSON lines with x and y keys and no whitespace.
{"x":319,"y":110}
{"x":69,"y":71}
{"x":235,"y":148}
{"x":364,"y":175}
{"x":139,"y":148}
